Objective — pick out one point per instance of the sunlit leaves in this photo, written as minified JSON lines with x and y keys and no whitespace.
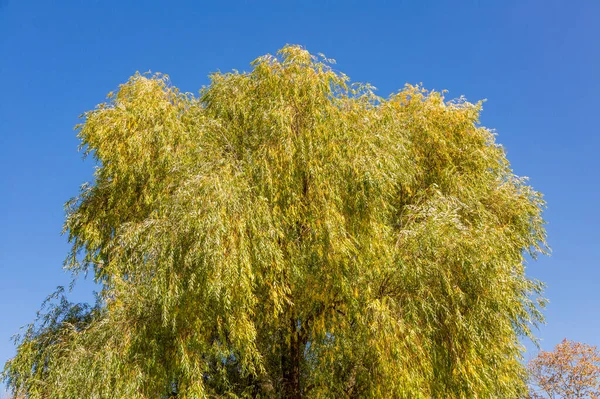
{"x":570,"y":371}
{"x":289,"y":233}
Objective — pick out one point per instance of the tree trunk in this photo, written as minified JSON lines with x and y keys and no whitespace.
{"x":290,"y":362}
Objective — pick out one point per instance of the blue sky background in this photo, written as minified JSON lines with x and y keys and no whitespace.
{"x":537,"y":63}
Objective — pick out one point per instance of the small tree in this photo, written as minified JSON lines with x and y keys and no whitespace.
{"x":571,"y":371}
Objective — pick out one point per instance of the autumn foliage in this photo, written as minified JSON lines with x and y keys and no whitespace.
{"x":570,"y":371}
{"x":291,"y":234}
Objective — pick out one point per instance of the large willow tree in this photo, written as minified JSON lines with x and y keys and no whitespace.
{"x":288,"y":234}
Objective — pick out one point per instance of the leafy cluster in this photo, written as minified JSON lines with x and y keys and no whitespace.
{"x":289,"y":234}
{"x":570,"y":371}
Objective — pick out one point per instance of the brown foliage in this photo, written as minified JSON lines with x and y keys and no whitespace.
{"x":570,"y":371}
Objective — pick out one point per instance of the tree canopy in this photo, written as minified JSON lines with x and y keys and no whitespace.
{"x":288,"y":233}
{"x":570,"y":371}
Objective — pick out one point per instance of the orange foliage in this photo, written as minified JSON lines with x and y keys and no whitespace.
{"x":571,"y":371}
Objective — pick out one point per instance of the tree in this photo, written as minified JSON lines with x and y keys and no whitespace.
{"x":570,"y":371}
{"x":289,"y":234}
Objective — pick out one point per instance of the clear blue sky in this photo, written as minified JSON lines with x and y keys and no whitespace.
{"x":537,"y":63}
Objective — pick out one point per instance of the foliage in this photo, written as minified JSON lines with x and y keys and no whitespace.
{"x":289,"y":234}
{"x":570,"y":371}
